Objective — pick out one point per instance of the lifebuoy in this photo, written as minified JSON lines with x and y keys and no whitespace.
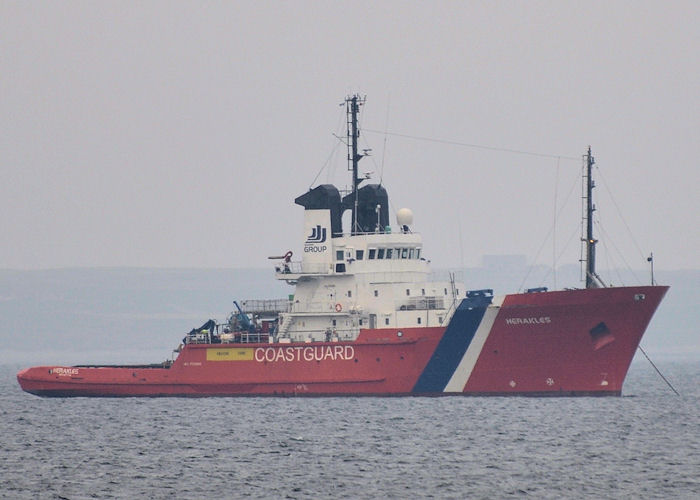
{"x":338,"y":308}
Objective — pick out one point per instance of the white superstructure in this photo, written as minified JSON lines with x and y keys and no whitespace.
{"x":371,"y":278}
{"x":361,"y":281}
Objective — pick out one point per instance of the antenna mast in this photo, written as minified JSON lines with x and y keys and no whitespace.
{"x":352,"y":106}
{"x":592,"y":280}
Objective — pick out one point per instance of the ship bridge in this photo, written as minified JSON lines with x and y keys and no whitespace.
{"x":360,"y":253}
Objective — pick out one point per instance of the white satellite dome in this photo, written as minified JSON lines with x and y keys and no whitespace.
{"x":404,"y":217}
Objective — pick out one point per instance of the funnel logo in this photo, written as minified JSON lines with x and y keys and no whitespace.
{"x":318,"y":235}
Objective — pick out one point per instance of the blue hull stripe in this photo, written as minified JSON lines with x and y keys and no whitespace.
{"x":453,"y":344}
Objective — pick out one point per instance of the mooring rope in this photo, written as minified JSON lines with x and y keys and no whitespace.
{"x":657,"y":370}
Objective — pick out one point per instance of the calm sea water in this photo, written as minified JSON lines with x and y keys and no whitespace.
{"x":645,"y":444}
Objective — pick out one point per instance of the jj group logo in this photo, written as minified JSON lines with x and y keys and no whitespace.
{"x":318,"y":235}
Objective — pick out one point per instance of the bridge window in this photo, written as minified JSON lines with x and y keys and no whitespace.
{"x":388,"y":253}
{"x":397,"y":253}
{"x":380,"y":253}
{"x":359,"y":254}
{"x":410,"y":253}
{"x":340,"y":268}
{"x":372,"y":253}
{"x":339,"y":255}
{"x":417,"y":253}
{"x":404,"y":253}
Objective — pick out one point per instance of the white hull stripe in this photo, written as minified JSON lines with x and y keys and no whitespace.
{"x":460,"y":377}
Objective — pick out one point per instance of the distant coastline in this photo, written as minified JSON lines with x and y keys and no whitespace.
{"x":115,"y":313}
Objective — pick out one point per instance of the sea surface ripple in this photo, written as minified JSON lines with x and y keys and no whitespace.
{"x":645,"y":444}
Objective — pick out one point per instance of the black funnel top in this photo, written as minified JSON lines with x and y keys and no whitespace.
{"x":325,"y":196}
{"x":368,"y":197}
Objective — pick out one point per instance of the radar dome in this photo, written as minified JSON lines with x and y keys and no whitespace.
{"x":404,"y":217}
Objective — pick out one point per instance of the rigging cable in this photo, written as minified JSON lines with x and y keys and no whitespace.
{"x":333,"y":151}
{"x":325,"y":164}
{"x":551,"y":229}
{"x":476,"y":146}
{"x":561,"y":254}
{"x":461,"y":244}
{"x":610,"y":266}
{"x":608,"y":238}
{"x":619,"y":213}
{"x":386,"y":129}
{"x":657,"y":370}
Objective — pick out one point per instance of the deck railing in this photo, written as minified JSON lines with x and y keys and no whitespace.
{"x":297,"y":267}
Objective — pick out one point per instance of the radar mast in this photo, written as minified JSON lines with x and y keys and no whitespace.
{"x":352,"y":106}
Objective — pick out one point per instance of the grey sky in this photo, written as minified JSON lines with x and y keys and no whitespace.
{"x":178,"y":134}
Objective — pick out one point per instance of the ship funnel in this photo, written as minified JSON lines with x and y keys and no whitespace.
{"x":324,"y":197}
{"x":368,"y":215}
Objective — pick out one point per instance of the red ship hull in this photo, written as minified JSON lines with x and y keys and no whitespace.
{"x":565,"y":343}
